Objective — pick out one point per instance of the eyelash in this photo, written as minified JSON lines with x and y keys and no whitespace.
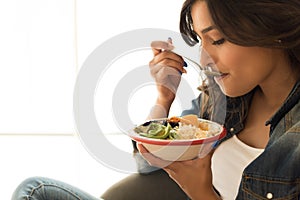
{"x":218,"y":42}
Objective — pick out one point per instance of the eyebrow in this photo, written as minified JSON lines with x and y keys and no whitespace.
{"x":207,"y":29}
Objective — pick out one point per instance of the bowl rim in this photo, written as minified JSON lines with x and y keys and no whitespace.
{"x":136,"y":137}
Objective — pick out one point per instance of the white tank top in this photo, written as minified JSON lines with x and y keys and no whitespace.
{"x":228,"y":163}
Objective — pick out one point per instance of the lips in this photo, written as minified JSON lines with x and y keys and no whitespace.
{"x":223,"y":74}
{"x":221,"y":77}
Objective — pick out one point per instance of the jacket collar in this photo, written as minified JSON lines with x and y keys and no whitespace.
{"x":289,"y":103}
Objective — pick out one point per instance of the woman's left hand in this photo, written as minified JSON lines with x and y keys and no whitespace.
{"x":193,"y":176}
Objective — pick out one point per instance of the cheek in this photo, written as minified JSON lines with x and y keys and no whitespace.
{"x":242,"y":77}
{"x":233,"y":58}
{"x":247,"y":67}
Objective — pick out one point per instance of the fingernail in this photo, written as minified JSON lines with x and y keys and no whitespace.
{"x":185,"y":64}
{"x":183,"y":71}
{"x":215,"y":144}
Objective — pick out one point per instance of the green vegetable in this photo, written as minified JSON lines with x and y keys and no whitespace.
{"x":154,"y":130}
{"x":173,"y":134}
{"x":163,"y":133}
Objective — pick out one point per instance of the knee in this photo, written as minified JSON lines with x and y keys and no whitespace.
{"x":25,"y":188}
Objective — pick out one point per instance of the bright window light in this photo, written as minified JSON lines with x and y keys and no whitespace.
{"x":37,"y":70}
{"x":44,"y":44}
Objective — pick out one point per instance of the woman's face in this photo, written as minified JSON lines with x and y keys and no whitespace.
{"x":242,"y":68}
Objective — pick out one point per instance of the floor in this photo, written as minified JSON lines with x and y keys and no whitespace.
{"x":60,"y":157}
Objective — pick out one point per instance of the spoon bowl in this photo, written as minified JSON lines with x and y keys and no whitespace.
{"x":206,"y":69}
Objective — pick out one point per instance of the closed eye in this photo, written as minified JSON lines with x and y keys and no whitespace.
{"x":219,"y":42}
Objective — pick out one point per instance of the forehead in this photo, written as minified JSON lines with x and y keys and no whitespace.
{"x":201,"y":16}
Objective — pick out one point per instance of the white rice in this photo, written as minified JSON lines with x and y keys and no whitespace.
{"x":186,"y":132}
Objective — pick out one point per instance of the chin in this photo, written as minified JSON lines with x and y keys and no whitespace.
{"x":234,"y":93}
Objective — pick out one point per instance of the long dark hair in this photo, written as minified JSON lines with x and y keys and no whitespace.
{"x":262,"y":23}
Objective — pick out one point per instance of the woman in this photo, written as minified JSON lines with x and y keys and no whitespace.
{"x":258,"y":56}
{"x":255,"y":45}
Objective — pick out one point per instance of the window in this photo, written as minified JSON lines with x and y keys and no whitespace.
{"x":46,"y":42}
{"x":38,"y":66}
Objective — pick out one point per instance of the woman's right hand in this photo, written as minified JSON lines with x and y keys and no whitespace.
{"x":166,"y":67}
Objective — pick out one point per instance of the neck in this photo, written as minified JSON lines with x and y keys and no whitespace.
{"x":274,"y":92}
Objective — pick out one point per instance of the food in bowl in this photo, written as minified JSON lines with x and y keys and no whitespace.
{"x":176,"y":128}
{"x":178,"y":138}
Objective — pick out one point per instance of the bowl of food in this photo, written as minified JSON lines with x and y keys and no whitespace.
{"x":178,"y":138}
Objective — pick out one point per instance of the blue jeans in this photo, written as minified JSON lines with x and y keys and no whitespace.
{"x":39,"y":188}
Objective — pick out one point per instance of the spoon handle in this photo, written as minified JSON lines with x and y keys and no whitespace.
{"x":206,"y":70}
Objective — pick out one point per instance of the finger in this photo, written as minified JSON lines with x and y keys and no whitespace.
{"x":168,"y":55}
{"x":173,"y":64}
{"x":156,"y":51}
{"x":169,"y":59}
{"x":168,"y":76}
{"x":174,"y":166}
{"x":159,"y":46}
{"x":154,"y":69}
{"x":171,"y":173}
{"x":141,"y":148}
{"x":204,"y":162}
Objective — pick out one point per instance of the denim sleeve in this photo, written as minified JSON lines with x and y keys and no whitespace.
{"x":142,"y":165}
{"x":195,"y":108}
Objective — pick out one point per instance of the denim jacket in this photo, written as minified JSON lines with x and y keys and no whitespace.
{"x":275,"y":174}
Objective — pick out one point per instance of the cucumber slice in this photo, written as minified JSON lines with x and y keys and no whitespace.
{"x":164,"y":133}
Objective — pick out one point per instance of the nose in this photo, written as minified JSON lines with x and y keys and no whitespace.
{"x":205,"y":58}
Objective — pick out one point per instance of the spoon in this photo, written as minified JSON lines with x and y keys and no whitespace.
{"x":206,"y":70}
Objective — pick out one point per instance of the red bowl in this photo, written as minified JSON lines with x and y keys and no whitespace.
{"x":179,"y":150}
